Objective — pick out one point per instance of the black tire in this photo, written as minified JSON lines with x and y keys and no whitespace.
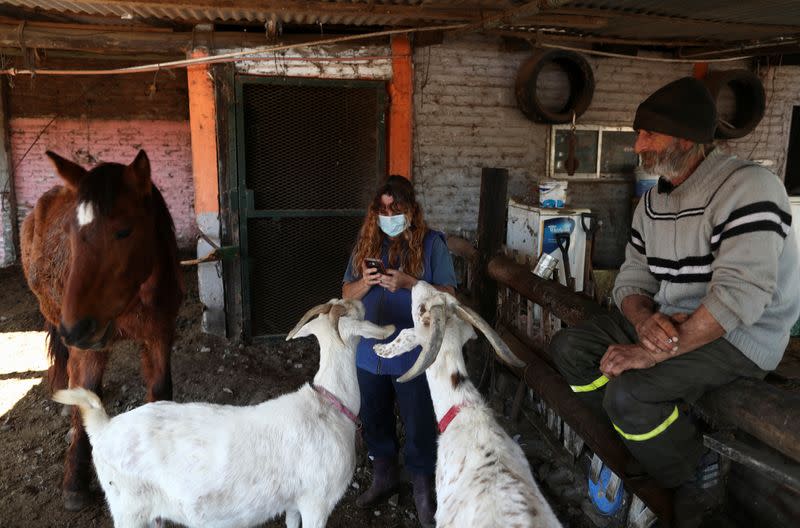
{"x":581,"y":86}
{"x":750,"y":99}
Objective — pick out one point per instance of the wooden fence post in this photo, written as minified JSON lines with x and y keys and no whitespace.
{"x":491,"y":230}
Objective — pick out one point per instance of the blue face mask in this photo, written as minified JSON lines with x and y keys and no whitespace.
{"x":392,"y":225}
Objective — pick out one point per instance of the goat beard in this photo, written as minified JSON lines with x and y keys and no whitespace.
{"x":669,"y":163}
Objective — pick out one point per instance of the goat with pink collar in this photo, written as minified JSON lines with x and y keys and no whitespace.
{"x":220,"y":466}
{"x":483,"y":479}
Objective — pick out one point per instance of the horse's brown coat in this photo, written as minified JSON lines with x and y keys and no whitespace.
{"x":116,"y":277}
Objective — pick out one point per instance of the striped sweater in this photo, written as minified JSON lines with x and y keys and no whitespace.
{"x":722,"y":239}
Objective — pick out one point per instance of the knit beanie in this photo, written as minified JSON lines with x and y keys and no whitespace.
{"x":683,"y":109}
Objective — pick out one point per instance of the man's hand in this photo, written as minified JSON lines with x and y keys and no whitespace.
{"x":396,"y":279}
{"x":619,"y":358}
{"x":659,"y":333}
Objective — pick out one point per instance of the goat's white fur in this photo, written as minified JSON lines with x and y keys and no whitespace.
{"x":483,"y":479}
{"x":219,"y":466}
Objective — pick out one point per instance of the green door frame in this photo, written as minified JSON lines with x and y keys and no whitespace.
{"x":246,"y":205}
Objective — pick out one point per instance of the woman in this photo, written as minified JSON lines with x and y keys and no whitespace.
{"x":394,"y":231}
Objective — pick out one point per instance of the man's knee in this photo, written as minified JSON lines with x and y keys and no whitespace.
{"x":566,"y":350}
{"x":619,"y":401}
{"x":562,"y":348}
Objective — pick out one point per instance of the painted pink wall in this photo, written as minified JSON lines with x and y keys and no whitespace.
{"x":88,"y":142}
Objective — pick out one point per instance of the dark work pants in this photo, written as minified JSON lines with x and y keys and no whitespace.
{"x":642,"y":404}
{"x":378,"y":395}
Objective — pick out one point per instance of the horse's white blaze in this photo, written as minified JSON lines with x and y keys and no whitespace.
{"x":85,"y":213}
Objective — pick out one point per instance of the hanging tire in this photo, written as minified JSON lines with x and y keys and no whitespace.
{"x":581,"y":86}
{"x":750,"y":101}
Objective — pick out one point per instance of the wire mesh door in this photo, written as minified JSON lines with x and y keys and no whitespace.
{"x":310,"y":155}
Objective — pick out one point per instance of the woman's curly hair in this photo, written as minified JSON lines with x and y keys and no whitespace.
{"x":406,"y":249}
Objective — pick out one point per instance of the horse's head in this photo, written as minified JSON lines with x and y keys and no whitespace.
{"x":111,"y":239}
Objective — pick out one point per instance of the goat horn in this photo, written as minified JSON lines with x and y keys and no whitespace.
{"x":470,"y":316}
{"x":429,"y":350}
{"x":318,"y":309}
{"x":337,"y":310}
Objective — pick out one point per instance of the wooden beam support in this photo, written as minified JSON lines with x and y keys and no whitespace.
{"x":116,"y":40}
{"x":639,"y":19}
{"x":9,"y":226}
{"x":401,"y":109}
{"x":491,"y":231}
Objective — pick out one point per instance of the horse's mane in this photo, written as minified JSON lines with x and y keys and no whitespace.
{"x":102,"y":185}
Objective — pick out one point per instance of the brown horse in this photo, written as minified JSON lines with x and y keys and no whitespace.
{"x":100,"y":255}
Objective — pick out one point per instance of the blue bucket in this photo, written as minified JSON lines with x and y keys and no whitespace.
{"x":597,"y":494}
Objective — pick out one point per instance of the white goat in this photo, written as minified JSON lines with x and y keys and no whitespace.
{"x":216,"y":466}
{"x":482,"y":477}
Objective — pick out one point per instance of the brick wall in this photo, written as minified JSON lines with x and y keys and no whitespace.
{"x":466,"y":118}
{"x":102,"y":118}
{"x":89,"y":142}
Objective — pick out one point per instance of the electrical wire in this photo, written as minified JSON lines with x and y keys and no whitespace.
{"x":233,"y":56}
{"x":635,"y":57}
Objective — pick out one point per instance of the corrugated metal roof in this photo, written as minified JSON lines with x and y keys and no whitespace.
{"x":777,"y":12}
{"x":706,"y":21}
{"x":342,"y":12}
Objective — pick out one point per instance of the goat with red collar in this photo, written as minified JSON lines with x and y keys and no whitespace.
{"x":483,"y":479}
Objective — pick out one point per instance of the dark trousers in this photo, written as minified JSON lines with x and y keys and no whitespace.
{"x":643,"y":404}
{"x":378,"y":395}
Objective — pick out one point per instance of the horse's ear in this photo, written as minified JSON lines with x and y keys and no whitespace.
{"x":69,"y":171}
{"x":138,"y":173}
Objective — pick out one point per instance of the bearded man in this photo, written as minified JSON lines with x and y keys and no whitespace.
{"x":708,"y":293}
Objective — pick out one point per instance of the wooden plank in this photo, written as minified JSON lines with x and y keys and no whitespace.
{"x":109,"y":39}
{"x":140,"y":96}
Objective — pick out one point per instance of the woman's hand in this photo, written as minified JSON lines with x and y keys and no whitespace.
{"x":370,"y":276}
{"x":394,"y":280}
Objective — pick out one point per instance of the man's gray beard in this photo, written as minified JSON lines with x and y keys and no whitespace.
{"x":669,"y":164}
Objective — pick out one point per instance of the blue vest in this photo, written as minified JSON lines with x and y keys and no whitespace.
{"x":384,"y":307}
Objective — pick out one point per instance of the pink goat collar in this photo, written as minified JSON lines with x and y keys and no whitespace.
{"x":337,"y":404}
{"x":449,"y":416}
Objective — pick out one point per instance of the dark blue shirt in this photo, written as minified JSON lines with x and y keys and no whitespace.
{"x":384,"y":307}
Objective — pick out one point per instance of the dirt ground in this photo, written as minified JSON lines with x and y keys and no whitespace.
{"x":205,"y":368}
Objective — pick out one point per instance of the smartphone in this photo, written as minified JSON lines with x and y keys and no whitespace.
{"x":375,"y":264}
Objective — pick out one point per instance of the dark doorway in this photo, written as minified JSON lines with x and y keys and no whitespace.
{"x":310,"y":155}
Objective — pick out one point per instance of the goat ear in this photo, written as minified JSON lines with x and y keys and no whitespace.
{"x":310,"y":328}
{"x":70,"y":172}
{"x":371,"y":330}
{"x":405,"y":341}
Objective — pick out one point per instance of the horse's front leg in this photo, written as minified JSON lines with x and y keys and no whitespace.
{"x":156,"y":368}
{"x":85,"y":369}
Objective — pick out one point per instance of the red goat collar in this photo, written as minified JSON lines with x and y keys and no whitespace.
{"x":449,"y":416}
{"x":337,"y":404}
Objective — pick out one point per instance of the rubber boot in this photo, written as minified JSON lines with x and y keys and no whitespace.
{"x":424,"y":499}
{"x":385,"y":479}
